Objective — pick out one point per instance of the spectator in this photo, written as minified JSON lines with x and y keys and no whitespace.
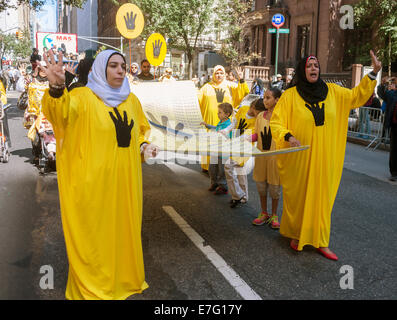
{"x":167,"y":76}
{"x":389,"y":94}
{"x":279,"y":83}
{"x":258,"y":88}
{"x":34,"y":58}
{"x":145,"y":74}
{"x":202,"y":80}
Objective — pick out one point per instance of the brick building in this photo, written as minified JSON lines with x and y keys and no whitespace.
{"x":314,"y":29}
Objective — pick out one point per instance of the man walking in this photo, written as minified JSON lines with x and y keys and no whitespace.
{"x":388,"y":92}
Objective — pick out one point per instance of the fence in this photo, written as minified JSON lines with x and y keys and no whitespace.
{"x":367,"y":124}
{"x":343,"y":79}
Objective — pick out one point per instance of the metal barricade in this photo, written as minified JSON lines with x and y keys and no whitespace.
{"x":367,"y":124}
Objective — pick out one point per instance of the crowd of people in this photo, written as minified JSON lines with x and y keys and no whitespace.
{"x":91,"y":109}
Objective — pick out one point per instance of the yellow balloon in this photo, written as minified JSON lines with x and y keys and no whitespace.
{"x":156,"y":49}
{"x":130,"y":21}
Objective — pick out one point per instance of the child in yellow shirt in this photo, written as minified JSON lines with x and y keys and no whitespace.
{"x":265,"y":171}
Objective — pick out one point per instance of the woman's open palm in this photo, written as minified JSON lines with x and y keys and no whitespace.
{"x":54,"y":70}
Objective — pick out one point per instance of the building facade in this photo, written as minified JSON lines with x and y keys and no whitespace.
{"x":314,"y":28}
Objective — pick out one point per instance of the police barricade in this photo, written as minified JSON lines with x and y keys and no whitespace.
{"x":367,"y":124}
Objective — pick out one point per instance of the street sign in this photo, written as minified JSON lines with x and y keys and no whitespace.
{"x":279,"y":30}
{"x":156,"y":49}
{"x":130,"y":21}
{"x":278,"y":20}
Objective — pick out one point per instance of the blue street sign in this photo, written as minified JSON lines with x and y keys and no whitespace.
{"x":278,"y":20}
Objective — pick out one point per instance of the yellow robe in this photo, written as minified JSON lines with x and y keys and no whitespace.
{"x":36,"y":91}
{"x":241,"y":115}
{"x":233,"y":93}
{"x":265,"y":169}
{"x":100,"y":188}
{"x":3,"y":94}
{"x":311,"y":178}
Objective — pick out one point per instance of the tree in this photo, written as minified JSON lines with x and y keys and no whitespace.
{"x":182,"y":21}
{"x":36,"y":4}
{"x":6,"y":45}
{"x":18,"y":48}
{"x":375,"y":27}
{"x":230,"y":23}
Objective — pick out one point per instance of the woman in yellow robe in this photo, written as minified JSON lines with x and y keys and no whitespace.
{"x":101,"y":134}
{"x":3,"y":95}
{"x":218,"y":91}
{"x":314,"y":113}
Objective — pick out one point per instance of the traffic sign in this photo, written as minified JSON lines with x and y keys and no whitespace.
{"x":278,"y":20}
{"x":281,"y":30}
{"x":156,"y":49}
{"x":130,"y":21}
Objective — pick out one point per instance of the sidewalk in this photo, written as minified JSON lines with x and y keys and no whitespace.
{"x":371,"y":163}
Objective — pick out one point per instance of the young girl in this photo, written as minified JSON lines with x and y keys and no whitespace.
{"x":265,"y":170}
{"x":216,"y":169}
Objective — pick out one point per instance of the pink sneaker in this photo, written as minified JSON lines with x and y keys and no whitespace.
{"x":263,"y":217}
{"x":273,"y":221}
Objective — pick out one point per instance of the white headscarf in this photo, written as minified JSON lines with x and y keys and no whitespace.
{"x":98,"y":84}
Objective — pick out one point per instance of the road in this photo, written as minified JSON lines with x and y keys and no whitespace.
{"x":237,"y":260}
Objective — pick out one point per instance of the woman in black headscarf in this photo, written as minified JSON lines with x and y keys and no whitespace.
{"x":312,"y":112}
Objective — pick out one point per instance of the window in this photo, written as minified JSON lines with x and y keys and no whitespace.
{"x":303,"y":40}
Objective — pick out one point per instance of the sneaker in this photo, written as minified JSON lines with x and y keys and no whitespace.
{"x":220,"y":190}
{"x":235,"y":203}
{"x":273,"y":221}
{"x":213,"y":187}
{"x":263,"y":217}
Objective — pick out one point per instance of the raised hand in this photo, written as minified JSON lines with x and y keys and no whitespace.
{"x":157,"y":48}
{"x":130,"y":21}
{"x":220,"y":95}
{"x":266,"y":139}
{"x":239,"y":72}
{"x":123,"y":129}
{"x":70,"y":68}
{"x":54,"y":70}
{"x":376,"y":64}
{"x":318,"y":113}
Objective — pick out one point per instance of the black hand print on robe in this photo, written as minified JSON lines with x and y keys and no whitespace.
{"x":123,"y":129}
{"x":266,"y":139}
{"x":318,"y":113}
{"x":242,"y":125}
{"x":220,"y":95}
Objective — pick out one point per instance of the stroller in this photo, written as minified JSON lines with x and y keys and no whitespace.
{"x":4,"y":134}
{"x":44,"y":145}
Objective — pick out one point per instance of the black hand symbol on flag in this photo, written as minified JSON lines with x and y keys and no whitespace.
{"x":123,"y":129}
{"x":266,"y":139}
{"x":318,"y":113}
{"x":164,"y":123}
{"x":157,"y":48}
{"x":220,"y":95}
{"x":130,"y":21}
{"x":242,"y":125}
